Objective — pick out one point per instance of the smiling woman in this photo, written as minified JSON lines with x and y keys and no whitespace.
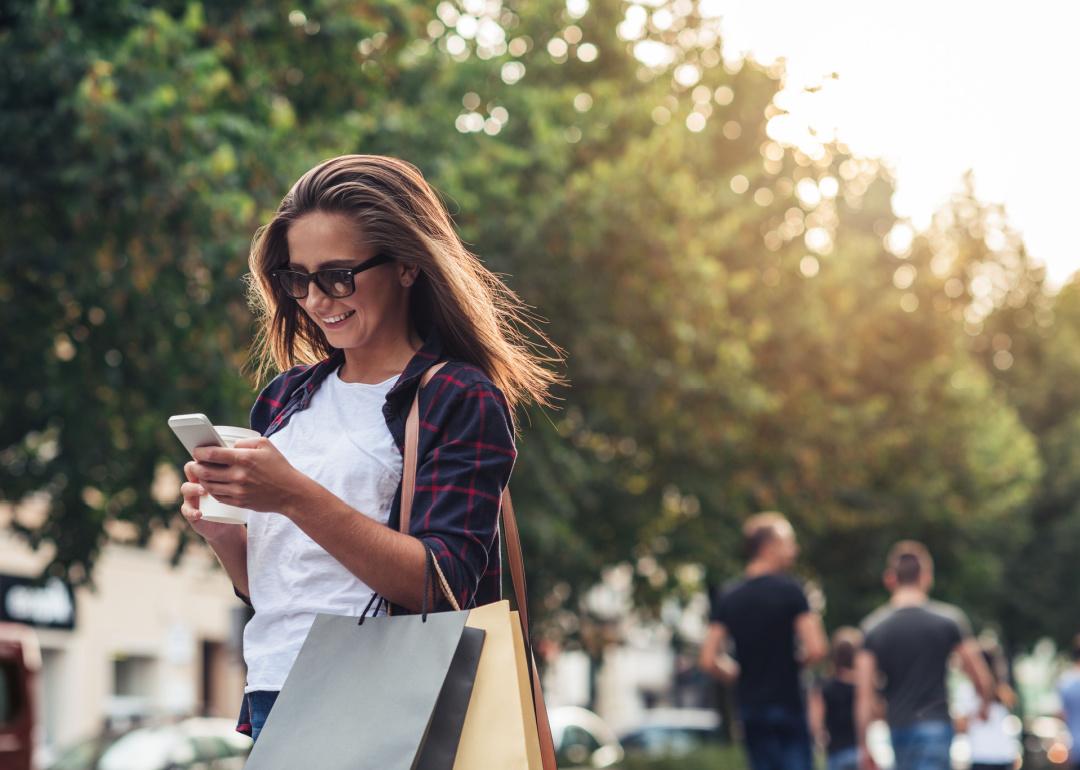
{"x":362,"y":285}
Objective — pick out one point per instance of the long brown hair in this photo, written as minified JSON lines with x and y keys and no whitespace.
{"x":478,"y":318}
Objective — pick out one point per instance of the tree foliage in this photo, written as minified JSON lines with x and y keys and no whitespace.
{"x":744,"y":331}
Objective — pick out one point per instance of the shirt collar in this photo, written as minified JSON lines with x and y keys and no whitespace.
{"x":429,"y":353}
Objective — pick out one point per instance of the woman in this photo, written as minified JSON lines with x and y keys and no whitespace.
{"x":362,"y":284}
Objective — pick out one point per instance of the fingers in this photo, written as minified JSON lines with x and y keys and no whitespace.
{"x":209,"y":454}
{"x":192,"y":491}
{"x":224,"y":493}
{"x":218,"y":473}
{"x":199,"y":474}
{"x":223,"y":455}
{"x":190,"y":512}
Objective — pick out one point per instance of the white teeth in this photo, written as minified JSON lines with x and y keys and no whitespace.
{"x":336,"y":318}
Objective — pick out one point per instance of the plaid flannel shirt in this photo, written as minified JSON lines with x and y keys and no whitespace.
{"x":465,"y":455}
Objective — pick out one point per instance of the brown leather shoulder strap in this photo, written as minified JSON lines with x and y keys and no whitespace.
{"x":513,"y":556}
{"x":517,"y":579}
{"x":412,"y":439}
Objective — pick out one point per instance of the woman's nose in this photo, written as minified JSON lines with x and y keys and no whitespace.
{"x":315,"y":297}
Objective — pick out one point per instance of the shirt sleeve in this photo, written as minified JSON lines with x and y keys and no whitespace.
{"x":799,"y":603}
{"x":962,"y":624}
{"x":967,"y":700}
{"x":459,"y":486}
{"x":716,"y":606}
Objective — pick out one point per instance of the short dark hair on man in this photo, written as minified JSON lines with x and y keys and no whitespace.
{"x":908,"y":560}
{"x":846,"y":641}
{"x":762,"y":528}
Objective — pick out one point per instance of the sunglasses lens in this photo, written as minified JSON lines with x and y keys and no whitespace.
{"x":293,"y":284}
{"x":335,"y":283}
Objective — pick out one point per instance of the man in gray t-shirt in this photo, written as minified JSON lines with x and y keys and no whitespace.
{"x":908,"y":645}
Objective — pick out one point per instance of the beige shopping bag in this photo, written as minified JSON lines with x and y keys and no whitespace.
{"x":500,"y":728}
{"x":527,"y":702}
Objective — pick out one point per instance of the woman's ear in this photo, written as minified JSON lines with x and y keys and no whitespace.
{"x":407,"y":274}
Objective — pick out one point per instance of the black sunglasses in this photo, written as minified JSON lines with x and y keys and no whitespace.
{"x":336,"y":282}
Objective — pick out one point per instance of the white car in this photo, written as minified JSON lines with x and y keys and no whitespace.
{"x":672,"y":732}
{"x":582,"y":739}
{"x":199,"y":743}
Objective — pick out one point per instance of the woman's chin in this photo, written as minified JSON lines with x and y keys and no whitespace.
{"x":347,"y":340}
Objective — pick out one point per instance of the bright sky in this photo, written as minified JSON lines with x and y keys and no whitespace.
{"x":936,"y":88}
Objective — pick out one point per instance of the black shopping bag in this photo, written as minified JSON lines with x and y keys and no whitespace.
{"x":389,"y":693}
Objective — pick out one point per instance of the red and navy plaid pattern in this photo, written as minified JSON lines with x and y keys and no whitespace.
{"x":465,"y":455}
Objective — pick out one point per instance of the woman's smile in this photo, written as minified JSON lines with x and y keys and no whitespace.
{"x":336,"y":321}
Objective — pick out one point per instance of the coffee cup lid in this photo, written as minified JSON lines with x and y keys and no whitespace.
{"x":233,"y":431}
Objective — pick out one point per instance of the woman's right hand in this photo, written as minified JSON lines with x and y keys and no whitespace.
{"x":192,"y":490}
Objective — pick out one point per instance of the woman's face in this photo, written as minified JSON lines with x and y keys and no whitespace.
{"x":377,"y":309}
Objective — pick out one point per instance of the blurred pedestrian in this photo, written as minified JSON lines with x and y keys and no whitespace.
{"x":908,"y":644}
{"x":1069,"y":690}
{"x":361,"y":284}
{"x":993,"y":741}
{"x":775,"y":633}
{"x":832,"y":703}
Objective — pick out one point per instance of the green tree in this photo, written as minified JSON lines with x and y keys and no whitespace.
{"x":740,"y":337}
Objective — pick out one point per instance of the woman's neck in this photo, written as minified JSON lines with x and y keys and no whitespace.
{"x":380,"y":360}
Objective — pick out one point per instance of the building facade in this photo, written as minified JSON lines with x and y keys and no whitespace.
{"x":148,"y":639}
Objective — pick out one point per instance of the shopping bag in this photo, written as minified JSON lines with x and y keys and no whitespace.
{"x":500,"y":728}
{"x":387,"y":694}
{"x":444,"y":733}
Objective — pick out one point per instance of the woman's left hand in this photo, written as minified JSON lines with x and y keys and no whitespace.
{"x":252,"y":474}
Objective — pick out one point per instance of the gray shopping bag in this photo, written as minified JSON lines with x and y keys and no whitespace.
{"x":388,"y":694}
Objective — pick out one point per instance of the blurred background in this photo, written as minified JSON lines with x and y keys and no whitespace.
{"x":817,"y":258}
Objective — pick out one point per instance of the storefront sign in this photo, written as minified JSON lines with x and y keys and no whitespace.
{"x":46,"y":605}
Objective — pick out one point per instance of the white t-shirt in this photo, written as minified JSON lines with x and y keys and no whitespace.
{"x":342,"y":442}
{"x":993,"y":741}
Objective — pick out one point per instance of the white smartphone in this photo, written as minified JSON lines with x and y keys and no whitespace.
{"x":195,"y":430}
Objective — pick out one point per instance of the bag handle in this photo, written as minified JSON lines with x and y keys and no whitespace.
{"x":379,"y":602}
{"x":513,"y":554}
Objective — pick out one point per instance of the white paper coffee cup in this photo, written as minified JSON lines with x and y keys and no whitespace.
{"x":215,"y":510}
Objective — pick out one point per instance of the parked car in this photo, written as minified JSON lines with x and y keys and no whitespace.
{"x":672,"y":732}
{"x":199,"y":743}
{"x":582,"y":739}
{"x":20,"y":662}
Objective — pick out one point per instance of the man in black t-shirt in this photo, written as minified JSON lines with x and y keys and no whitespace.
{"x":908,"y":645}
{"x":764,"y":614}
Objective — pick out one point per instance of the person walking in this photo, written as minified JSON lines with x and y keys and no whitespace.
{"x":908,"y":644}
{"x":832,"y":703}
{"x":361,"y":285}
{"x":1069,"y":690}
{"x":994,"y":745}
{"x":775,"y":633}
